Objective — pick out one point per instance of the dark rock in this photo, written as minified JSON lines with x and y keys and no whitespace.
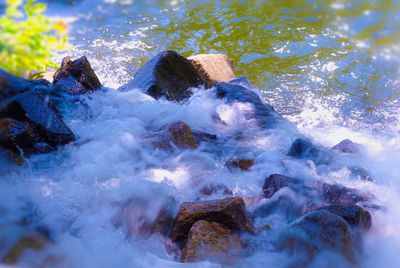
{"x":264,"y":114}
{"x":347,"y":146}
{"x":275,"y":182}
{"x":142,"y":217}
{"x":213,"y":68}
{"x":42,"y":117}
{"x":317,"y":231}
{"x":230,"y":212}
{"x":304,"y":148}
{"x":33,"y":241}
{"x":336,"y":194}
{"x":284,"y":205}
{"x":354,"y":215}
{"x":211,"y":241}
{"x":176,"y":133}
{"x":76,"y":76}
{"x":167,"y":75}
{"x":242,"y":163}
{"x":211,"y":189}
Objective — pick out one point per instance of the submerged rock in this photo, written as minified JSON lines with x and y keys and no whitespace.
{"x":76,"y":76}
{"x":33,"y":241}
{"x":242,"y":163}
{"x":230,"y":212}
{"x":263,"y":114}
{"x":304,"y":148}
{"x":275,"y":182}
{"x":210,"y":241}
{"x":167,"y":75}
{"x":213,"y":68}
{"x":145,"y":216}
{"x":354,"y":215}
{"x":315,"y":232}
{"x":176,"y":133}
{"x":211,"y":189}
{"x":347,"y":146}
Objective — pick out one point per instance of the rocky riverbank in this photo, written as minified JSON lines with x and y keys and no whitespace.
{"x":219,"y":224}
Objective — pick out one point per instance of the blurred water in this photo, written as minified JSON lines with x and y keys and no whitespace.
{"x":330,"y":67}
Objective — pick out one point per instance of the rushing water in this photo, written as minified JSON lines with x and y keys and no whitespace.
{"x":330,"y":67}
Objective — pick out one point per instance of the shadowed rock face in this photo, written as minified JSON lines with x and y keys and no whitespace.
{"x":213,"y":68}
{"x":230,"y":212}
{"x":42,"y":117}
{"x":347,"y":146}
{"x":264,"y":114}
{"x":167,"y":75}
{"x":317,"y":231}
{"x":354,"y":215}
{"x":210,"y":241}
{"x":76,"y":76}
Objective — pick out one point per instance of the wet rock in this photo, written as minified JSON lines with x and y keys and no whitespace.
{"x":210,"y":241}
{"x":33,"y":241}
{"x":11,"y":85}
{"x":211,"y":189}
{"x":43,"y":118}
{"x":16,"y":135}
{"x":263,"y":114}
{"x":347,"y":146}
{"x":242,"y":163}
{"x":317,"y":231}
{"x":275,"y":182}
{"x":336,"y":194}
{"x":284,"y":205}
{"x":360,"y":174}
{"x":177,"y":134}
{"x":354,"y":215}
{"x":304,"y":148}
{"x":230,"y":212}
{"x":167,"y":75}
{"x":76,"y":76}
{"x":213,"y":68}
{"x":143,"y":217}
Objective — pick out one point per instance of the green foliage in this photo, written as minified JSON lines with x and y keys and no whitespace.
{"x":29,"y":39}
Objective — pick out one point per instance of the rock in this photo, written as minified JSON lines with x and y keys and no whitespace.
{"x":275,"y":182}
{"x":76,"y":77}
{"x":336,"y":194}
{"x":360,"y":174}
{"x":210,"y":241}
{"x":284,"y":205}
{"x":230,"y":212}
{"x":16,"y":135}
{"x":11,"y":86}
{"x":242,"y":163}
{"x":347,"y":146}
{"x":354,"y":215}
{"x":176,"y":133}
{"x":167,"y":75}
{"x":211,"y":189}
{"x":304,"y":148}
{"x":317,"y":231}
{"x":34,"y":241}
{"x":142,"y":217}
{"x":42,"y":117}
{"x":263,"y":114}
{"x":213,"y":68}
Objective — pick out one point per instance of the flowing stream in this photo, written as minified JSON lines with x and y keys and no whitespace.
{"x":332,"y":68}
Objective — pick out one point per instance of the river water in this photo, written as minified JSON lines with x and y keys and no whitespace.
{"x":332,"y":68}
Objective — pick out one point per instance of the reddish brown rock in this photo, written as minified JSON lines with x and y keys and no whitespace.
{"x":211,"y":241}
{"x":35,"y":242}
{"x":176,"y":133}
{"x":230,"y":212}
{"x":213,"y":68}
{"x":242,"y":163}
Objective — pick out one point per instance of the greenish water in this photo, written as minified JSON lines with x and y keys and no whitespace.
{"x":344,"y":54}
